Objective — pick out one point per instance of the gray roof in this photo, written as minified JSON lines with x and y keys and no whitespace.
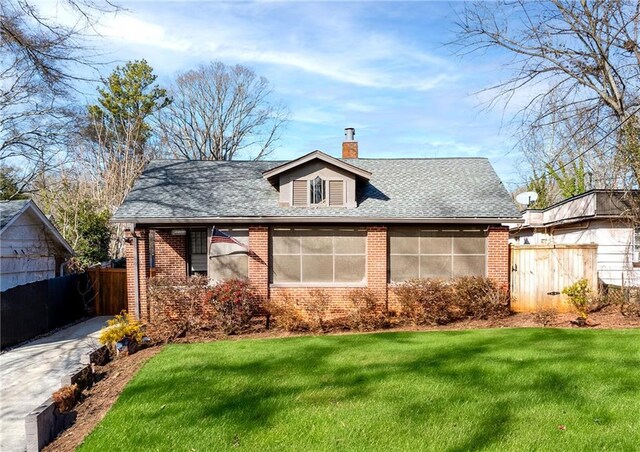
{"x":9,"y":209}
{"x":420,"y":189}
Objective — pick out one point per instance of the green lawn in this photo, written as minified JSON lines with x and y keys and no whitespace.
{"x":502,"y":389}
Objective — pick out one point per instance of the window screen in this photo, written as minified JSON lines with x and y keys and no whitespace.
{"x":445,"y":254}
{"x":229,"y":260}
{"x":318,"y":255}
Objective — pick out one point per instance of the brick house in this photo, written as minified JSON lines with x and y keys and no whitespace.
{"x":317,"y":222}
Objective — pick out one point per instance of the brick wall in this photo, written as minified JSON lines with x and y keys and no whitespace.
{"x":171,"y":260}
{"x":171,"y":254}
{"x":498,"y":256}
{"x":143,"y":270}
{"x":259,"y":259}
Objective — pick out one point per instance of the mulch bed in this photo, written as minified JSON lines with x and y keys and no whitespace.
{"x":116,"y":374}
{"x":97,"y":400}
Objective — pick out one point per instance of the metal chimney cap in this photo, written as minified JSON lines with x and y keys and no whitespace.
{"x":349,"y":134}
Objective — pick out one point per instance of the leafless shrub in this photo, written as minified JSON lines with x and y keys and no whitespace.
{"x":480,"y":298}
{"x":288,"y":315}
{"x":368,"y":313}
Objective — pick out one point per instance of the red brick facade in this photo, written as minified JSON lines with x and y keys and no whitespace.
{"x":259,"y":259}
{"x":171,"y":260}
{"x":498,"y":255}
{"x":171,"y":254}
{"x":141,"y":237}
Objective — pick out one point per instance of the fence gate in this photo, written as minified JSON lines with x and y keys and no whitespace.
{"x":540,"y":272}
{"x":110,"y":287}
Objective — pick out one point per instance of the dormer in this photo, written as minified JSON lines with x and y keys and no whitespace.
{"x":317,"y":180}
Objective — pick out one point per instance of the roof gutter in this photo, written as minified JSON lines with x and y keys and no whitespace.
{"x":349,"y":220}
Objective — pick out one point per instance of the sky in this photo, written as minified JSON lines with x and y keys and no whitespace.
{"x":383,"y":68}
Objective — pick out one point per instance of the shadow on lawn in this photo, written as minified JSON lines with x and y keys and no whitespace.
{"x":349,"y":369}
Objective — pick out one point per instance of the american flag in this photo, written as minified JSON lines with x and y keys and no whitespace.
{"x":217,"y":236}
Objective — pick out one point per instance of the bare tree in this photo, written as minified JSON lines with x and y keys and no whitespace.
{"x":581,"y":61}
{"x":220,"y":112}
{"x":39,"y":62}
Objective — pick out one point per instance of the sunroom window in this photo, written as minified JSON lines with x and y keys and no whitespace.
{"x":332,"y":256}
{"x":443,"y":254}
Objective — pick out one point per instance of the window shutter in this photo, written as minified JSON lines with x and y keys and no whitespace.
{"x":336,"y":193}
{"x":300,"y":193}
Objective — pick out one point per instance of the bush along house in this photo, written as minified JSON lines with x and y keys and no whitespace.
{"x":317,"y":222}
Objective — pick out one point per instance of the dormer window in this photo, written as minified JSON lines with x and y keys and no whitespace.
{"x":317,"y":180}
{"x":317,"y":191}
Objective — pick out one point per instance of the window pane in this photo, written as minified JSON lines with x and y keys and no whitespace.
{"x":285,"y":242}
{"x":435,"y":267}
{"x":435,"y":243}
{"x":317,"y":242}
{"x":198,"y":242}
{"x":317,"y":190}
{"x":229,"y":267}
{"x":468,"y":266}
{"x":403,"y":267}
{"x":404,"y":241}
{"x":469,"y":244}
{"x":351,"y":242}
{"x":199,"y":263}
{"x":317,"y":268}
{"x":351,"y":268}
{"x":286,"y":268}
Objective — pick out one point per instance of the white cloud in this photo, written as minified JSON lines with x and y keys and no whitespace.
{"x":133,"y":30}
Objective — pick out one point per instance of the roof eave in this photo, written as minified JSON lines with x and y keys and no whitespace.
{"x":283,"y":220}
{"x":273,"y":172}
{"x":30,"y":205}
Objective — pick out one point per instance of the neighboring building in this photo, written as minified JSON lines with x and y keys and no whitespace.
{"x":32,"y":249}
{"x":599,"y":217}
{"x":318,"y":222}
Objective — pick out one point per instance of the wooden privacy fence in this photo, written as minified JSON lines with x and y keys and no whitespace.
{"x":110,"y":287}
{"x":539,"y":273}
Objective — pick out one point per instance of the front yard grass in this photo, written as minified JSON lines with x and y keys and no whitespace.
{"x":502,"y":389}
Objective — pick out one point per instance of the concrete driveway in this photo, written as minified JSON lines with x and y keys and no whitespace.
{"x":31,"y":373}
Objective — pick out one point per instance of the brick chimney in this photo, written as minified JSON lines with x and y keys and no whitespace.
{"x":349,"y":145}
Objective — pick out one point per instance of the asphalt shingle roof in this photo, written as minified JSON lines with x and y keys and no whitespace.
{"x":399,"y":188}
{"x":9,"y":209}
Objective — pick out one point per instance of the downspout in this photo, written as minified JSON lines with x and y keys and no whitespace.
{"x":136,"y":283}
